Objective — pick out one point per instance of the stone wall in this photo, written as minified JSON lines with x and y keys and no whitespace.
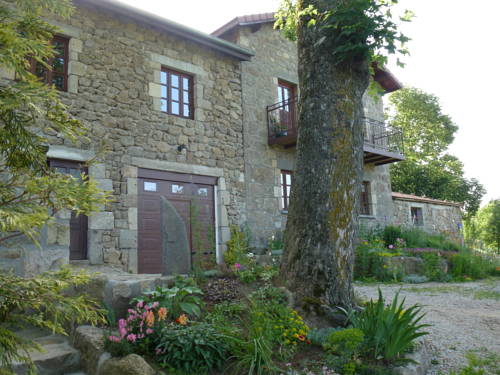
{"x":113,"y":89}
{"x":437,"y":218}
{"x":276,"y":59}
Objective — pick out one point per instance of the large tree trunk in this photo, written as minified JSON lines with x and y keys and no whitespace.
{"x":322,"y":220}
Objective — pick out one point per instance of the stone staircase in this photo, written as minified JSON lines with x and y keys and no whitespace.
{"x":58,"y":358}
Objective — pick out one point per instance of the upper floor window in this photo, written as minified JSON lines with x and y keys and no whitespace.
{"x":417,"y":217}
{"x":176,"y":93}
{"x":364,"y":201}
{"x":286,"y":186}
{"x":57,"y":75}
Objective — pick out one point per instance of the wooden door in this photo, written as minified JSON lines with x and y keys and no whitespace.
{"x":78,"y":223}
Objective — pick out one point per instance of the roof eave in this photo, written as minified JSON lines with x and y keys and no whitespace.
{"x":174,"y":28}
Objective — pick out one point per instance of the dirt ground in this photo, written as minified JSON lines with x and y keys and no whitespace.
{"x":464,"y":317}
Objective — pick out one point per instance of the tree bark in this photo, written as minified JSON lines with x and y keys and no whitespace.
{"x":322,"y":219}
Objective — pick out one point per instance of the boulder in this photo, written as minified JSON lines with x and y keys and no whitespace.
{"x":132,"y":364}
{"x":408,"y":265}
{"x":90,"y":341}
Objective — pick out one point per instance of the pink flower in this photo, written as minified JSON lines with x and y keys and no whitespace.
{"x":147,"y":307}
{"x":131,"y":311}
{"x":123,"y":332}
{"x":156,"y":304}
{"x":141,"y":336}
{"x":149,"y":331}
{"x":237,"y":266}
{"x":114,"y":339}
{"x":158,"y":351}
{"x":122,"y":323}
{"x":131,"y":337}
{"x":140,"y":304}
{"x":391,"y":246}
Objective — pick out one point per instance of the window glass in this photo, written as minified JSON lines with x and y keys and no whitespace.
{"x":286,"y":186}
{"x":177,"y":93}
{"x":57,"y":74}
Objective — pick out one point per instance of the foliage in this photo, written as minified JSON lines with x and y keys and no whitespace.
{"x":485,"y":226}
{"x":183,"y":298}
{"x":254,"y":356}
{"x":480,"y":364}
{"x":193,"y":349}
{"x":433,"y":267}
{"x":411,"y":237}
{"x":237,"y":247}
{"x":137,"y":333}
{"x":391,"y":330}
{"x":345,"y":345}
{"x":427,"y":169}
{"x":391,"y":234}
{"x":30,"y":193}
{"x":372,"y":261}
{"x":471,"y":265}
{"x":359,"y":30}
{"x":49,"y":305}
{"x":227,"y":314}
{"x":415,"y":279}
{"x":318,"y":336}
{"x":269,"y":293}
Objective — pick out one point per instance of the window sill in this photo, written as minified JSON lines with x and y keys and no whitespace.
{"x":371,"y":217}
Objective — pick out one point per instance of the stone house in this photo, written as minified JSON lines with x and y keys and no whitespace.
{"x":431,"y":215}
{"x":200,"y":133}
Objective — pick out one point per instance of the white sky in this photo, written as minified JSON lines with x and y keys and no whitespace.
{"x":454,"y":55}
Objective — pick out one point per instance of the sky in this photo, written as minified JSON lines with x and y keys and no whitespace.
{"x":454,"y":55}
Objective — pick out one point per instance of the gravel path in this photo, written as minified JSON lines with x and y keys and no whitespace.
{"x":464,"y":316}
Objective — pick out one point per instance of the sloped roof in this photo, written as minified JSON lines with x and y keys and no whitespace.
{"x":171,"y":27}
{"x":250,"y":19}
{"x":382,"y":75}
{"x":416,"y":198}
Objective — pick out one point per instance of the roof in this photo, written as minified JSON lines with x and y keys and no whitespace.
{"x":171,"y":27}
{"x":251,"y":19}
{"x":382,"y":75}
{"x":416,"y":198}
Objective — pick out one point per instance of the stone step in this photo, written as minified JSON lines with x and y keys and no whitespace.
{"x":58,"y":357}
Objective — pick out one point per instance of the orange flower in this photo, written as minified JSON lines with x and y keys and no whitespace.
{"x":150,"y":318}
{"x":162,"y":313}
{"x":182,"y":320}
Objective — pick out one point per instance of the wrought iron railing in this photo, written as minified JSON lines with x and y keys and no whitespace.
{"x":281,"y":119}
{"x":282,"y":124}
{"x":383,"y":137}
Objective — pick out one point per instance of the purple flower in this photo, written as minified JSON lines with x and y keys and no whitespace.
{"x":131,"y":337}
{"x":237,"y":266}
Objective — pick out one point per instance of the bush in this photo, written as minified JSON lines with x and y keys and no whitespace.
{"x":237,"y":247}
{"x":137,"y":333}
{"x":470,"y":265}
{"x":370,"y":262}
{"x":415,"y":279}
{"x":183,"y":298}
{"x":318,"y":336}
{"x":391,"y":234}
{"x":41,"y":301}
{"x":433,"y":267}
{"x":345,"y":344}
{"x":269,"y":293}
{"x":391,"y":330}
{"x":193,"y":349}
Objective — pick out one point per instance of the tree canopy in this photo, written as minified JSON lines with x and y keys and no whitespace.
{"x":484,"y":228}
{"x":428,"y":169}
{"x":31,"y":111}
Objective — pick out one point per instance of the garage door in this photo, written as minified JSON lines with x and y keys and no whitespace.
{"x":192,"y":196}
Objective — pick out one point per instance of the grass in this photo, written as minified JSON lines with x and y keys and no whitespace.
{"x":466,"y":292}
{"x":481,"y":362}
{"x":487,"y":294}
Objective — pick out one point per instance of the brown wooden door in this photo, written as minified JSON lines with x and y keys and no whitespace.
{"x":78,"y":224}
{"x":193,"y":198}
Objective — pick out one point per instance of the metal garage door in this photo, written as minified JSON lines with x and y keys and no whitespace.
{"x":192,"y":196}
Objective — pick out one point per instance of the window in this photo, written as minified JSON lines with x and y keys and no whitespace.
{"x":58,"y":74}
{"x":417,"y":217}
{"x":176,"y":93}
{"x":364,"y":201}
{"x":286,"y":186}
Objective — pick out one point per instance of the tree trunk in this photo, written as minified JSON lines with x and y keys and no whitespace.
{"x":322,"y":219}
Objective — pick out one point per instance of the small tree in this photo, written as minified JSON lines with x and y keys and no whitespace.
{"x":30,"y":193}
{"x":491,"y":229}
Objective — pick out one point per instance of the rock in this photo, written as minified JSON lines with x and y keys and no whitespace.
{"x":409,"y":265}
{"x":421,"y":356}
{"x":132,"y":364}
{"x":90,"y":341}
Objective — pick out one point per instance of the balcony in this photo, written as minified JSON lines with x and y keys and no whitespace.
{"x":383,"y":144}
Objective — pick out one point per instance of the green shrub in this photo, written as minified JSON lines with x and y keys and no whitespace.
{"x":370,"y":262}
{"x":433,"y":267}
{"x":345,"y":345}
{"x":183,"y":298}
{"x":237,"y":247}
{"x":41,"y":301}
{"x":270,"y":293}
{"x":415,"y":279}
{"x":470,"y":265}
{"x":390,"y":234}
{"x":192,"y":349}
{"x":318,"y":336}
{"x":391,"y":330}
{"x":254,"y":356}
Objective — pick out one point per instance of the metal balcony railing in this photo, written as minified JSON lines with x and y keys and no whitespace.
{"x":379,"y":135}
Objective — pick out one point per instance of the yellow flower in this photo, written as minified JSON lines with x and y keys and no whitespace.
{"x":150,"y":318}
{"x":162,"y":313}
{"x":182,"y":320}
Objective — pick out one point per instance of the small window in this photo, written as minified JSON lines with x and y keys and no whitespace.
{"x":417,"y":217}
{"x":176,"y":93}
{"x":365,"y":199}
{"x":286,"y":186}
{"x":58,"y":74}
